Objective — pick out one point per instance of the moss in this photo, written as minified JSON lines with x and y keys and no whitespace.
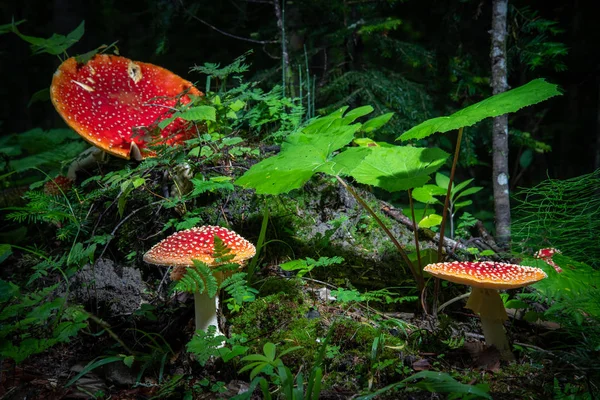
{"x":276,"y":285}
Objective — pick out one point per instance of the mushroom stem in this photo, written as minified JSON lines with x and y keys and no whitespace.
{"x":206,"y":311}
{"x":488,"y":304}
{"x":495,"y":335}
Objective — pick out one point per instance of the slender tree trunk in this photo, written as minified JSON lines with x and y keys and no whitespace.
{"x":285,"y":58}
{"x":500,"y":127}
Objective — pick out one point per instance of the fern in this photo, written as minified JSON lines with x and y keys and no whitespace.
{"x":198,"y":278}
{"x":564,"y":214}
{"x":237,"y":288}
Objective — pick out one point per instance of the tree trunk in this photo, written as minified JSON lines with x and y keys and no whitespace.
{"x":285,"y":58}
{"x":500,"y":127}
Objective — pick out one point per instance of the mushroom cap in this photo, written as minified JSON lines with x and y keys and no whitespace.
{"x":110,"y":100}
{"x":546,"y":253}
{"x":486,"y":274}
{"x":182,"y":247}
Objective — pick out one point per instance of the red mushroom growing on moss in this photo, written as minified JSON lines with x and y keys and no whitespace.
{"x":180,"y":249}
{"x":546,"y":256}
{"x":486,"y":278}
{"x":111,"y":101}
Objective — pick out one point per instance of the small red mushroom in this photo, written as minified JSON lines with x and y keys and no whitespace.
{"x":486,"y":278}
{"x":546,"y":256}
{"x":181,"y":248}
{"x":111,"y":102}
{"x":57,"y":185}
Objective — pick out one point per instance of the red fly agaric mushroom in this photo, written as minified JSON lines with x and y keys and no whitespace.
{"x":111,"y":101}
{"x":486,"y":278}
{"x":546,"y":256}
{"x":178,"y":251}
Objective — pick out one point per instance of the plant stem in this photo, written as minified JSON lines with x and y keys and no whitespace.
{"x":416,"y":232}
{"x":436,"y":289}
{"x":447,"y":199}
{"x":418,"y":278}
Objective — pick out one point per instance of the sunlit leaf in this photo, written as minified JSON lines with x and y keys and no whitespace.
{"x":513,"y":100}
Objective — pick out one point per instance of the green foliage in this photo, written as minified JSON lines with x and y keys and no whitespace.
{"x":533,"y":45}
{"x":31,"y":323}
{"x":564,"y":214}
{"x":236,"y":286}
{"x":248,"y":107}
{"x":38,"y":148}
{"x":384,"y":296}
{"x":270,"y":364}
{"x":312,"y":149}
{"x":427,"y":194}
{"x":55,"y":44}
{"x":507,"y":102}
{"x":387,"y":91}
{"x":198,"y":278}
{"x":436,"y":382}
{"x":98,"y":362}
{"x":308,"y":264}
{"x":206,"y":345}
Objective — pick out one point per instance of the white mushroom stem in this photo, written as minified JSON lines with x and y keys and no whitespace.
{"x":488,"y":304}
{"x":206,"y":311}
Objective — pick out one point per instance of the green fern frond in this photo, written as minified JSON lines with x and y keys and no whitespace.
{"x":198,"y":278}
{"x":237,"y":288}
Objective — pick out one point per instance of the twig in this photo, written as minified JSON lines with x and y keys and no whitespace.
{"x":112,"y":234}
{"x":223,"y":32}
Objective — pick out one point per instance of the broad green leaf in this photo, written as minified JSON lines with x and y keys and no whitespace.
{"x":194,"y":152}
{"x":269,"y":350}
{"x":376,"y":123}
{"x":442,"y":181}
{"x":513,"y":100}
{"x":128,"y":360}
{"x":365,"y":142}
{"x":199,"y":113}
{"x":302,"y":155}
{"x":390,"y":168}
{"x":237,"y":105}
{"x":356,"y":113}
{"x":425,"y":194}
{"x":430,"y":220}
{"x":137,"y":182}
{"x":293,"y":265}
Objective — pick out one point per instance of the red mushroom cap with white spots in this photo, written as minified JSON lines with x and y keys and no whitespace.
{"x":486,"y":274}
{"x":110,"y":100}
{"x":546,"y":253}
{"x":182,"y":247}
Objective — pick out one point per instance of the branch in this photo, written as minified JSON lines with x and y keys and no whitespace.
{"x":223,"y":32}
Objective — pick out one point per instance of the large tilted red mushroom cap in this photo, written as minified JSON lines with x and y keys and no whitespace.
{"x":486,"y":274}
{"x":110,"y":100}
{"x":182,"y":247}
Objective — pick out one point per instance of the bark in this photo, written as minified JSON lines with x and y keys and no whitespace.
{"x":500,"y":125}
{"x":285,"y":58}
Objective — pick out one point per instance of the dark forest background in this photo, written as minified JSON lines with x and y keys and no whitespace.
{"x":419,"y":59}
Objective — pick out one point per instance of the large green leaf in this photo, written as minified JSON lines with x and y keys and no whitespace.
{"x":513,"y":100}
{"x":302,"y":155}
{"x":391,"y":168}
